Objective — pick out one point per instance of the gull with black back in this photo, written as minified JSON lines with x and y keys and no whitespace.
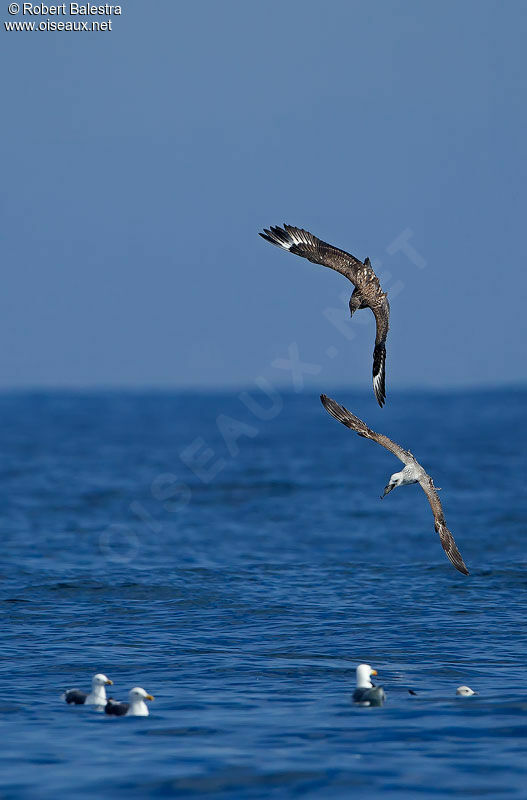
{"x":97,"y":696}
{"x":135,"y":707}
{"x":366,"y":694}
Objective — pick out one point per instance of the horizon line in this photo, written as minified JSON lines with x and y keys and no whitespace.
{"x":86,"y":388}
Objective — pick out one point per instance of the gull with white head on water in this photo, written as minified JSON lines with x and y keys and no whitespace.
{"x":97,"y":696}
{"x":412,"y":472}
{"x":366,"y":694}
{"x":135,"y":707}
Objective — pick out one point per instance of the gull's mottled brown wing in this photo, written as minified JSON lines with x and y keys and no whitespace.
{"x":303,"y":243}
{"x":351,"y":421}
{"x":381,"y":311}
{"x":447,"y":540}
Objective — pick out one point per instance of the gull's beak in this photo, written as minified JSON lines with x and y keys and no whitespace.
{"x":387,"y":489}
{"x":374,"y":672}
{"x":109,"y":682}
{"x":149,"y":697}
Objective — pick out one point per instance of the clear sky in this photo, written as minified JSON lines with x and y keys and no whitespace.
{"x":139,"y":164}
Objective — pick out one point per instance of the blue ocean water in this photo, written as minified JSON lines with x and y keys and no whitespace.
{"x":237,"y":563}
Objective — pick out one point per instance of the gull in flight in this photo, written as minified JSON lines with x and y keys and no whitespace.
{"x":367,"y":292}
{"x":413,"y":472}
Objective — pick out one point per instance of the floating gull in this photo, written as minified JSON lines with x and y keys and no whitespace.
{"x":136,"y":706}
{"x":367,"y":292}
{"x":465,"y":691}
{"x":413,"y":472}
{"x":97,"y":696}
{"x":366,"y":694}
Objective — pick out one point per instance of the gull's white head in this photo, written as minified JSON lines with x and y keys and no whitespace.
{"x":100,"y":680}
{"x":138,"y":695}
{"x":465,"y":691}
{"x":397,"y":479}
{"x":364,"y":673}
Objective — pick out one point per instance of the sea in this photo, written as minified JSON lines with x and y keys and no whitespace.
{"x":229,"y":553}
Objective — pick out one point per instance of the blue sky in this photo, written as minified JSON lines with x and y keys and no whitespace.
{"x":139,"y":164}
